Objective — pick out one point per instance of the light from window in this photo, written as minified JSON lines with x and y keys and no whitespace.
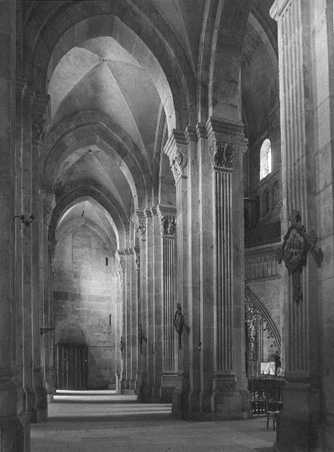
{"x":265,"y":158}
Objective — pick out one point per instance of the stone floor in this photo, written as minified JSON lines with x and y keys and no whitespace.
{"x":95,"y":422}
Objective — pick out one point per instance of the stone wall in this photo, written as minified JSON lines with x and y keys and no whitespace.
{"x":85,"y":296}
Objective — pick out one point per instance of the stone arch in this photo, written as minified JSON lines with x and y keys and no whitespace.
{"x":156,"y":45}
{"x":251,"y":298}
{"x":68,"y":225}
{"x":83,"y":192}
{"x":218,"y":91}
{"x":91,"y":128}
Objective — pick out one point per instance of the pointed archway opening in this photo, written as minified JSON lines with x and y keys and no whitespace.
{"x":87,"y":299}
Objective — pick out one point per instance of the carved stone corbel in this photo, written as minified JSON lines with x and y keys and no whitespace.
{"x":296,"y":245}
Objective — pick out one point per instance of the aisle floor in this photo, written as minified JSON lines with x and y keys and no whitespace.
{"x":97,"y":423}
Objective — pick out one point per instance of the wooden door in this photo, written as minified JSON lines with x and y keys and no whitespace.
{"x":72,"y":366}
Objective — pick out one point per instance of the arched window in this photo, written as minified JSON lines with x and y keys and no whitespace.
{"x":265,"y":158}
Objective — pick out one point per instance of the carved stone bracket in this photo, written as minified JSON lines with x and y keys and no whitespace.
{"x":296,"y":245}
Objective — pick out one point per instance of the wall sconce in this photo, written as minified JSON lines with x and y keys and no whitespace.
{"x":25,"y":220}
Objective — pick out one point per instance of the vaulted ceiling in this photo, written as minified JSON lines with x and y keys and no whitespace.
{"x":101,"y":66}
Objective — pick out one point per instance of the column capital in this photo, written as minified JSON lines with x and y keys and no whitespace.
{"x":277,"y":8}
{"x":168,"y":226}
{"x":176,"y":150}
{"x":226,"y":139}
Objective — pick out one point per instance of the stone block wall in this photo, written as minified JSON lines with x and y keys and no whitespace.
{"x":85,"y":297}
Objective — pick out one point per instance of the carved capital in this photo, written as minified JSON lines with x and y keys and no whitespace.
{"x":176,"y":150}
{"x":222,"y":156}
{"x":168,"y":226}
{"x":226,"y":140}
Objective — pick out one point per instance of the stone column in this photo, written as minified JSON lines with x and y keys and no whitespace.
{"x":48,"y":320}
{"x":306,"y":137}
{"x":21,"y":86}
{"x":134,"y":320}
{"x":168,"y":295}
{"x":176,"y":149}
{"x":123,"y":338}
{"x":226,"y":144}
{"x":12,"y":432}
{"x":157,"y":306}
{"x":128,"y":315}
{"x":150,"y":330}
{"x":207,"y":235}
{"x":39,"y":108}
{"x":143,"y":389}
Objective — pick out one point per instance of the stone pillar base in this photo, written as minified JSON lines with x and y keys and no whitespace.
{"x":41,"y":405}
{"x":175,"y":382}
{"x":299,"y":426}
{"x":15,"y":435}
{"x":50,"y":380}
{"x":228,"y":401}
{"x":156,"y":391}
{"x":169,"y":380}
{"x":29,"y":404}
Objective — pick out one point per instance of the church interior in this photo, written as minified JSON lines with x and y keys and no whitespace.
{"x":167,"y":219}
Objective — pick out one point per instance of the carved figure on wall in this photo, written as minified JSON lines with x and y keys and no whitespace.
{"x":142,"y":338}
{"x":122,"y":345}
{"x":296,"y":245}
{"x":179,"y":323}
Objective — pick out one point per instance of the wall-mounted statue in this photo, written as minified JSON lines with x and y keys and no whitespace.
{"x":179,"y":323}
{"x":296,"y":245}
